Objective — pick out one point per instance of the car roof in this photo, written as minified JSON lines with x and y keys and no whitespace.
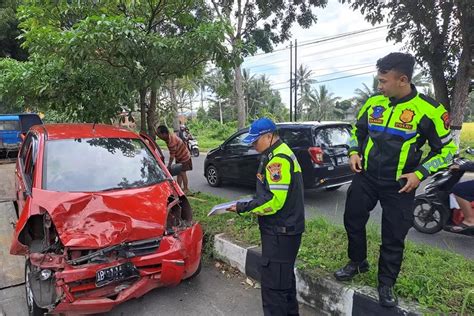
{"x":312,"y":123}
{"x":83,"y":130}
{"x":9,"y":117}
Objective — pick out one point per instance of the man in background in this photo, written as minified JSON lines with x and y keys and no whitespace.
{"x":179,"y":152}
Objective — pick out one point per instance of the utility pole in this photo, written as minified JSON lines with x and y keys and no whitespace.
{"x":220,"y":110}
{"x":291,"y":81}
{"x":296,"y":79}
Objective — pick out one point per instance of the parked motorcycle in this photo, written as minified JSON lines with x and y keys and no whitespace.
{"x":432,"y":211}
{"x":193,"y":147}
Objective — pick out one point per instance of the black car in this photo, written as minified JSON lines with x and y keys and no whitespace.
{"x":321,"y":149}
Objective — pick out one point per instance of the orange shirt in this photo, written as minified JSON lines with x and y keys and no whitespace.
{"x":178,"y":149}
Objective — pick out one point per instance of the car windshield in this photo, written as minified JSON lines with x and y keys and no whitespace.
{"x":9,"y":125}
{"x":98,"y":164}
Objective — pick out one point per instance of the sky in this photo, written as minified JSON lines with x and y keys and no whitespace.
{"x":347,"y":56}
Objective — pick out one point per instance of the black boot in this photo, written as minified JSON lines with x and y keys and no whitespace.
{"x":386,"y":296}
{"x":351,"y":269}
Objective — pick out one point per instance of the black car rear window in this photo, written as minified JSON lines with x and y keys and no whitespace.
{"x":9,"y":125}
{"x":333,"y":136}
{"x":97,"y":164}
{"x":296,"y":137}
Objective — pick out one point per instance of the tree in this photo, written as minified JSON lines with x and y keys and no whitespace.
{"x":258,"y":24}
{"x":304,"y":82}
{"x":321,"y":104}
{"x":440,"y":33}
{"x":9,"y":31}
{"x":138,"y":48}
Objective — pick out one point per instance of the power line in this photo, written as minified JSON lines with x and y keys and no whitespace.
{"x":317,"y":60}
{"x":333,"y":79}
{"x":332,"y":73}
{"x":374,"y":40}
{"x":324,"y":39}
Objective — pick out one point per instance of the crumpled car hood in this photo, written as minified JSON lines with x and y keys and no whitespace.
{"x":101,"y":219}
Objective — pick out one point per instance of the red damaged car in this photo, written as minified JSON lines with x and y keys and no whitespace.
{"x":101,"y":219}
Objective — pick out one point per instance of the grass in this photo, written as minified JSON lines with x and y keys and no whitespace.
{"x":437,"y":279}
{"x":467,"y":135}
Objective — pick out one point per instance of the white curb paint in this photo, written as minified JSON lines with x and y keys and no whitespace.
{"x":230,"y":252}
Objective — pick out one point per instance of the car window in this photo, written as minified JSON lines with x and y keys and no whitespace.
{"x":97,"y":164}
{"x":29,"y":161}
{"x":296,"y":137}
{"x":24,"y":148}
{"x":237,"y":141}
{"x":9,"y":125}
{"x":333,"y":136}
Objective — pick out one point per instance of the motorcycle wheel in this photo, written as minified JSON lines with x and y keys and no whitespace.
{"x":427,"y":219}
{"x":196,"y":152}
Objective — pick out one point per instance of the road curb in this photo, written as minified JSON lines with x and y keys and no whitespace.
{"x":322,"y":292}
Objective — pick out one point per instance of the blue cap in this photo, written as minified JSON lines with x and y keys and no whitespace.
{"x":258,"y":128}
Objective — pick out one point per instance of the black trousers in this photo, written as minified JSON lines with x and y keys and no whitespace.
{"x":277,"y":274}
{"x":397,"y":218}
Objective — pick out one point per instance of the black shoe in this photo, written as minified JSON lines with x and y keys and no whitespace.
{"x":386,"y":296}
{"x":350,"y":270}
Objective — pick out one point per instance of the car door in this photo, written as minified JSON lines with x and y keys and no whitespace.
{"x":25,"y":169}
{"x":231,"y":165}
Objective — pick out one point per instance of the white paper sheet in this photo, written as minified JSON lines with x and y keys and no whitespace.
{"x":222,"y":208}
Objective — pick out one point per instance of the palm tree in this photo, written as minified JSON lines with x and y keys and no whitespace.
{"x":363,"y":94}
{"x":304,"y":82}
{"x":321,"y":104}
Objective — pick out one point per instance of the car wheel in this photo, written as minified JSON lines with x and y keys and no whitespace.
{"x":213,"y":177}
{"x":33,"y":309}
{"x":333,"y":188}
{"x":196,"y":152}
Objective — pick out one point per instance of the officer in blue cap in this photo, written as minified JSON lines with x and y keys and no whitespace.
{"x":279,"y":205}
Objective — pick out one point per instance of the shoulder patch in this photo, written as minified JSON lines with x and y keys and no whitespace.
{"x":446,"y":120}
{"x":429,"y":100}
{"x":274,"y":169}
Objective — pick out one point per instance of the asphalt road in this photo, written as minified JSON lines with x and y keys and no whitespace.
{"x":331,"y":206}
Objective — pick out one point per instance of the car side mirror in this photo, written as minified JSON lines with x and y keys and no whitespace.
{"x":175,"y":169}
{"x":470,"y":151}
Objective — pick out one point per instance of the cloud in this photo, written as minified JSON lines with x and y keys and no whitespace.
{"x":338,"y":58}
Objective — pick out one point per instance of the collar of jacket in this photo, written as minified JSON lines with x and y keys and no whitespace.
{"x":269,"y":151}
{"x":406,"y":98}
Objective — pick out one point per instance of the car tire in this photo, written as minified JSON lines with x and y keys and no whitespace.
{"x":33,"y":308}
{"x":333,"y":188}
{"x":213,"y":177}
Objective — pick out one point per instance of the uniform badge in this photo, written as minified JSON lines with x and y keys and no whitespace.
{"x":446,"y":120}
{"x":407,"y":116}
{"x":275,"y":171}
{"x":377,"y":114}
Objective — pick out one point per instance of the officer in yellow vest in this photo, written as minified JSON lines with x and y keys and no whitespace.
{"x":279,"y":204}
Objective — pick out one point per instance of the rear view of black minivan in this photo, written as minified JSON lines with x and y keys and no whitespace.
{"x":320,"y":147}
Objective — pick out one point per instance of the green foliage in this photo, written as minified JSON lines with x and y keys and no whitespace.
{"x":89,"y":58}
{"x":439,"y":280}
{"x":9,"y":31}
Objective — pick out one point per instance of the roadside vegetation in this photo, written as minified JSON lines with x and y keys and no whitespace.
{"x":439,"y":280}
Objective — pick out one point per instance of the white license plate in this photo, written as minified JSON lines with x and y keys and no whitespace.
{"x":342,"y":160}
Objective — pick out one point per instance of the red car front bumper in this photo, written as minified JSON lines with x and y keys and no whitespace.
{"x":177,"y":258}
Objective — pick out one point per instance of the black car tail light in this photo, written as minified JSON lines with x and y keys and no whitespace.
{"x":316,"y":154}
